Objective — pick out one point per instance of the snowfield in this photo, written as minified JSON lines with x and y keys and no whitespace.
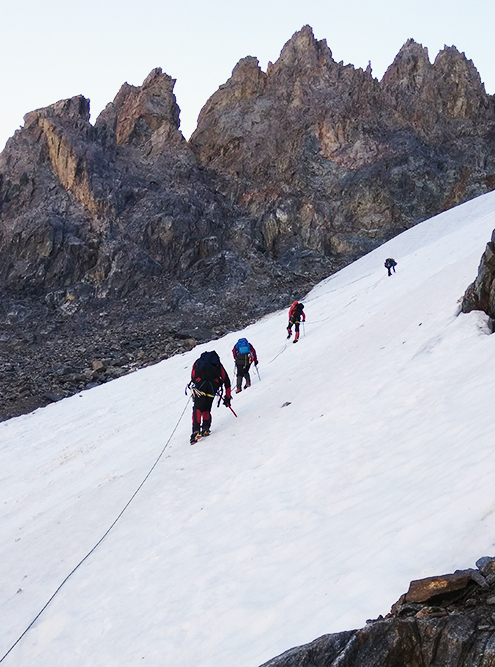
{"x":363,"y":459}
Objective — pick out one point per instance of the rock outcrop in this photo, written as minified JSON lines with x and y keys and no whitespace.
{"x":446,"y":621}
{"x":291,"y":174}
{"x":480,"y":295}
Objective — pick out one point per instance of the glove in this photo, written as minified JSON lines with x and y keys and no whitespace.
{"x":226,"y":402}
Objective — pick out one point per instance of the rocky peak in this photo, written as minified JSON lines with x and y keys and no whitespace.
{"x":248,"y":79}
{"x":430,"y":97}
{"x":242,"y":90}
{"x":44,"y":130}
{"x":409,"y":90}
{"x":302,"y":55}
{"x":411,"y":69}
{"x":143,"y":113}
{"x":67,"y":189}
{"x":60,"y":137}
{"x":459,"y":85}
{"x":450,"y":62}
{"x":247,"y":82}
{"x":75,"y":109}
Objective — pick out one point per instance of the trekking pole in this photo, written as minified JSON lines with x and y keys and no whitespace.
{"x":256,"y":366}
{"x":230,"y":408}
{"x":304,"y":328}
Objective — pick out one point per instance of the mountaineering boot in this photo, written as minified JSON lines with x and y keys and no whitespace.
{"x":248,"y":384}
{"x":195,"y":437}
{"x":238,"y":391}
{"x":205,"y":432}
{"x":295,"y":340}
{"x":289,"y":333}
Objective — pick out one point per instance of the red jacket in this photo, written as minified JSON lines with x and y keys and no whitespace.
{"x":295,"y":313}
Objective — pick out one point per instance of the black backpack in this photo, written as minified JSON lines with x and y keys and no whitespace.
{"x":207,"y":367}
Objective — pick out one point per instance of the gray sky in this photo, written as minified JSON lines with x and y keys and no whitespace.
{"x":55,"y":49}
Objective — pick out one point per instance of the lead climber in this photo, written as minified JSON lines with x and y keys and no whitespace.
{"x":389,"y":265}
{"x":296,"y":313}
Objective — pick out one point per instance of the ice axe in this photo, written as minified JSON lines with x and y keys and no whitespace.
{"x":227,"y":406}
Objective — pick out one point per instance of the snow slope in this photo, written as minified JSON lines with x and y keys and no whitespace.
{"x":363,"y":459}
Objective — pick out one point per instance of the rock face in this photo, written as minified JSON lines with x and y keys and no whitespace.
{"x":99,"y":209}
{"x":112,"y":231}
{"x":480,"y":295}
{"x":333,"y":162}
{"x":446,"y":621}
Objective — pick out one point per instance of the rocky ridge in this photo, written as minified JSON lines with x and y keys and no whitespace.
{"x":446,"y":621}
{"x":122,"y":240}
{"x":334,"y":162}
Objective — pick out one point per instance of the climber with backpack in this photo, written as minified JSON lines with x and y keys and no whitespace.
{"x":389,"y":265}
{"x":208,"y":378}
{"x":244,"y":355}
{"x":296,"y":314}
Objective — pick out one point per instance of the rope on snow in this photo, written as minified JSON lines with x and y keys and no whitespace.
{"x":278,"y":355}
{"x":99,"y":541}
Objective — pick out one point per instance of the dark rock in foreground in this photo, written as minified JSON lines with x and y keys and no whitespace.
{"x":480,"y":295}
{"x":445,"y":621}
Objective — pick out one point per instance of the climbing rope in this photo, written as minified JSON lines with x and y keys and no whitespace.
{"x":99,"y":541}
{"x":278,"y":355}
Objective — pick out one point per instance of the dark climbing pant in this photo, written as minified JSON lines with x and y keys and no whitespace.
{"x":243,"y":373}
{"x":296,"y":324}
{"x":201,"y":416}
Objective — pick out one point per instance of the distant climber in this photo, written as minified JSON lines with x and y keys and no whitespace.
{"x":389,"y":265}
{"x":244,"y":355}
{"x":296,"y":313}
{"x":208,"y":376}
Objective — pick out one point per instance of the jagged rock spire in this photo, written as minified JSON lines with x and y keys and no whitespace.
{"x":138,"y":112}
